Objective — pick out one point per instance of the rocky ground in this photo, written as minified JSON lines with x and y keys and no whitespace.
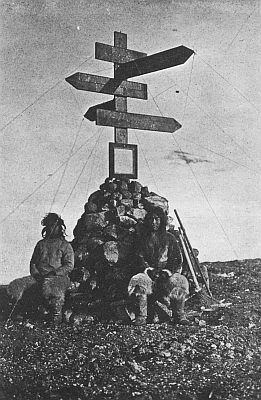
{"x":216,"y":358}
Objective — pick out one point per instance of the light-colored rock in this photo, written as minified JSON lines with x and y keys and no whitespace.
{"x":115,"y":252}
{"x":137,"y":213}
{"x":127,"y":221}
{"x":126,"y":202}
{"x":120,"y":210}
{"x":157,"y":201}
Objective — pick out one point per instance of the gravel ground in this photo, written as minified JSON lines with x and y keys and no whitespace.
{"x":216,"y":358}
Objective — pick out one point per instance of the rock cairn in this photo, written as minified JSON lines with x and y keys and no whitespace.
{"x":104,"y":237}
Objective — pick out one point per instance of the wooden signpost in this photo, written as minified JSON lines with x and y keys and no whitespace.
{"x":127,"y":64}
{"x":102,"y":84}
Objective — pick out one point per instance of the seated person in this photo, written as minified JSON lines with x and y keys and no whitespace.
{"x":161,"y":280}
{"x":51,"y":262}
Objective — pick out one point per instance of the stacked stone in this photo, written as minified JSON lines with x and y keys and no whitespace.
{"x":104,"y":235}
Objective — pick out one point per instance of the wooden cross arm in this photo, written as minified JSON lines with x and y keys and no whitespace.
{"x":155,"y":62}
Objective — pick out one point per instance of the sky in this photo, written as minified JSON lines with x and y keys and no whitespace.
{"x":52,"y":158}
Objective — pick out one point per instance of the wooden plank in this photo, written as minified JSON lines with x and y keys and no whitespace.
{"x":115,"y":54}
{"x":136,"y":121}
{"x":120,"y":134}
{"x":102,"y":84}
{"x":120,"y":39}
{"x":155,"y":62}
{"x":120,"y":104}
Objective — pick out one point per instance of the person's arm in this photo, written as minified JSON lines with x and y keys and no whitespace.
{"x":67,"y":261}
{"x":175,"y":258}
{"x":34,"y":272}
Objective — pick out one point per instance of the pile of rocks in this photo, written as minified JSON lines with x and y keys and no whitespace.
{"x":104,"y":237}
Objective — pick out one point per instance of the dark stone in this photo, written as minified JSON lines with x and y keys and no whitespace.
{"x":135,"y":186}
{"x":145,"y":191}
{"x":95,"y":221}
{"x":123,"y":186}
{"x":111,"y":231}
{"x":126,"y":194}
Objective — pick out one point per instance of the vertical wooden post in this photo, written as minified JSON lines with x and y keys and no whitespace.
{"x":120,"y":134}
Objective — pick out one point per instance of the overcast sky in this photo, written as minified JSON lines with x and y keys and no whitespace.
{"x":53,"y":159}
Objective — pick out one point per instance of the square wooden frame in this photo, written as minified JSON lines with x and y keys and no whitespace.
{"x":134,"y":149}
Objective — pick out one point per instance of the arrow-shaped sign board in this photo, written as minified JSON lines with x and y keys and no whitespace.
{"x":136,"y":121}
{"x":102,"y":84}
{"x":91,"y":114}
{"x":155,"y":62}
